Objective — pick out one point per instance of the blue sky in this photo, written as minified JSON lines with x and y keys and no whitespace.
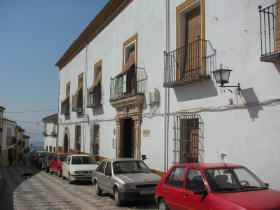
{"x":34,"y":34}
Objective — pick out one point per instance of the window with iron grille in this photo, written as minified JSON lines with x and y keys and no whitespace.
{"x":94,"y":139}
{"x":78,"y":137}
{"x":188,"y":142}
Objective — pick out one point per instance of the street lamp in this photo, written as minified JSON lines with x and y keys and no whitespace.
{"x":222,"y":75}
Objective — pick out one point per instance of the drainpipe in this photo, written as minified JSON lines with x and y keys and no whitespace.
{"x":85,"y":97}
{"x":166,"y":91}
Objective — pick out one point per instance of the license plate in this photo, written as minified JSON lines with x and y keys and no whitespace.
{"x":147,"y":192}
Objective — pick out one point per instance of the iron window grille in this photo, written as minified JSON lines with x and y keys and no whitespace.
{"x":270,"y":31}
{"x":94,"y":139}
{"x":78,"y":137}
{"x":131,"y":83}
{"x":189,"y":63}
{"x":188,"y":139}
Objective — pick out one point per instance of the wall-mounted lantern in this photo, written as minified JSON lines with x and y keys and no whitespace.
{"x":222,"y":76}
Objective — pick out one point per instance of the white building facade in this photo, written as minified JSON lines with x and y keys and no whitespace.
{"x":138,"y":82}
{"x":50,"y":133}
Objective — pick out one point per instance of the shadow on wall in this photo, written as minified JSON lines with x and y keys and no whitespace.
{"x":277,"y":65}
{"x":205,"y":89}
{"x":250,"y":97}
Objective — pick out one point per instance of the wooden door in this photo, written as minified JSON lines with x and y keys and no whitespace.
{"x":193,"y":43}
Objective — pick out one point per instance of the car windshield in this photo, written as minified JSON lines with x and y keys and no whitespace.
{"x":82,"y":160}
{"x":233,"y":179}
{"x":125,"y":167}
{"x":62,"y":157}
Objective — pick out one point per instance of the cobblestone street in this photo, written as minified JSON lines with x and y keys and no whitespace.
{"x":46,"y":191}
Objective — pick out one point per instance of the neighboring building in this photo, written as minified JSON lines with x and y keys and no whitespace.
{"x":9,"y":141}
{"x":18,"y":148}
{"x":139,"y":82}
{"x":1,"y":128}
{"x":50,"y":133}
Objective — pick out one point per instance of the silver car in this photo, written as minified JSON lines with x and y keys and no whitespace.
{"x":126,"y":179}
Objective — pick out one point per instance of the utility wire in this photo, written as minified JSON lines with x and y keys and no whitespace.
{"x":22,"y":112}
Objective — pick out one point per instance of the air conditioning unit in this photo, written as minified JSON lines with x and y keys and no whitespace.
{"x":154,"y":98}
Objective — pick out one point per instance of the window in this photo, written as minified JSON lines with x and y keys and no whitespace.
{"x":101,"y":167}
{"x":270,"y":33}
{"x":108,"y":171}
{"x":9,"y":130}
{"x":189,"y":137}
{"x":65,"y":104}
{"x":94,"y":139}
{"x":176,"y":177}
{"x":126,"y":79}
{"x":194,"y":180}
{"x":94,"y":92}
{"x":78,"y":137}
{"x":54,"y":129}
{"x":77,"y":100}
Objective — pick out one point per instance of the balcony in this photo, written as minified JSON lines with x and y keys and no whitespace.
{"x":270,"y":33}
{"x":188,"y":64}
{"x":65,"y":107}
{"x":11,"y":140}
{"x":132,"y":83}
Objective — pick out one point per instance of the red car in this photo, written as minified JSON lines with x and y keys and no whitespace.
{"x":214,"y":186}
{"x":56,"y":163}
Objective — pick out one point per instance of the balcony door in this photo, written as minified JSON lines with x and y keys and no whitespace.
{"x":193,"y":43}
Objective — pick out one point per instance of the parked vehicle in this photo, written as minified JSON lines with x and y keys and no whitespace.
{"x":214,"y":186}
{"x":46,"y":161}
{"x":56,"y":163}
{"x":40,"y":155}
{"x":78,"y":167}
{"x":126,"y":179}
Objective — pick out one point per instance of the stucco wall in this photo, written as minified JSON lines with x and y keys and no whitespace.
{"x":246,"y":134}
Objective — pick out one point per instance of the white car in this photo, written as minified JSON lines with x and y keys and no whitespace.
{"x":78,"y":167}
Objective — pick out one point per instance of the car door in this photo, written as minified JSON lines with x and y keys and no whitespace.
{"x":108,"y":182}
{"x":100,"y":175}
{"x":195,"y":194}
{"x":65,"y":167}
{"x":172,"y":189}
{"x":52,"y":163}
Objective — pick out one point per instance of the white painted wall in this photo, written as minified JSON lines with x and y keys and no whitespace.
{"x":248,"y":135}
{"x":49,"y":140}
{"x":7,"y":124}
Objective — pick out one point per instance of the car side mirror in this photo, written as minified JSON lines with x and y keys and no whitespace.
{"x":266,"y":185}
{"x":203,"y":192}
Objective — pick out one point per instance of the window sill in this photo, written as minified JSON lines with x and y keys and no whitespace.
{"x":186,"y":81}
{"x":274,"y":57}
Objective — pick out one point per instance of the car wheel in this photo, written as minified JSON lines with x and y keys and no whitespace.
{"x":69,"y":179}
{"x":59,"y":173}
{"x":97,"y":190}
{"x":118,"y":200}
{"x":162,"y":205}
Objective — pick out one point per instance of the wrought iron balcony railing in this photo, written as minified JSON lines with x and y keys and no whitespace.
{"x":270,"y":32}
{"x":131,"y":83}
{"x":193,"y":62}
